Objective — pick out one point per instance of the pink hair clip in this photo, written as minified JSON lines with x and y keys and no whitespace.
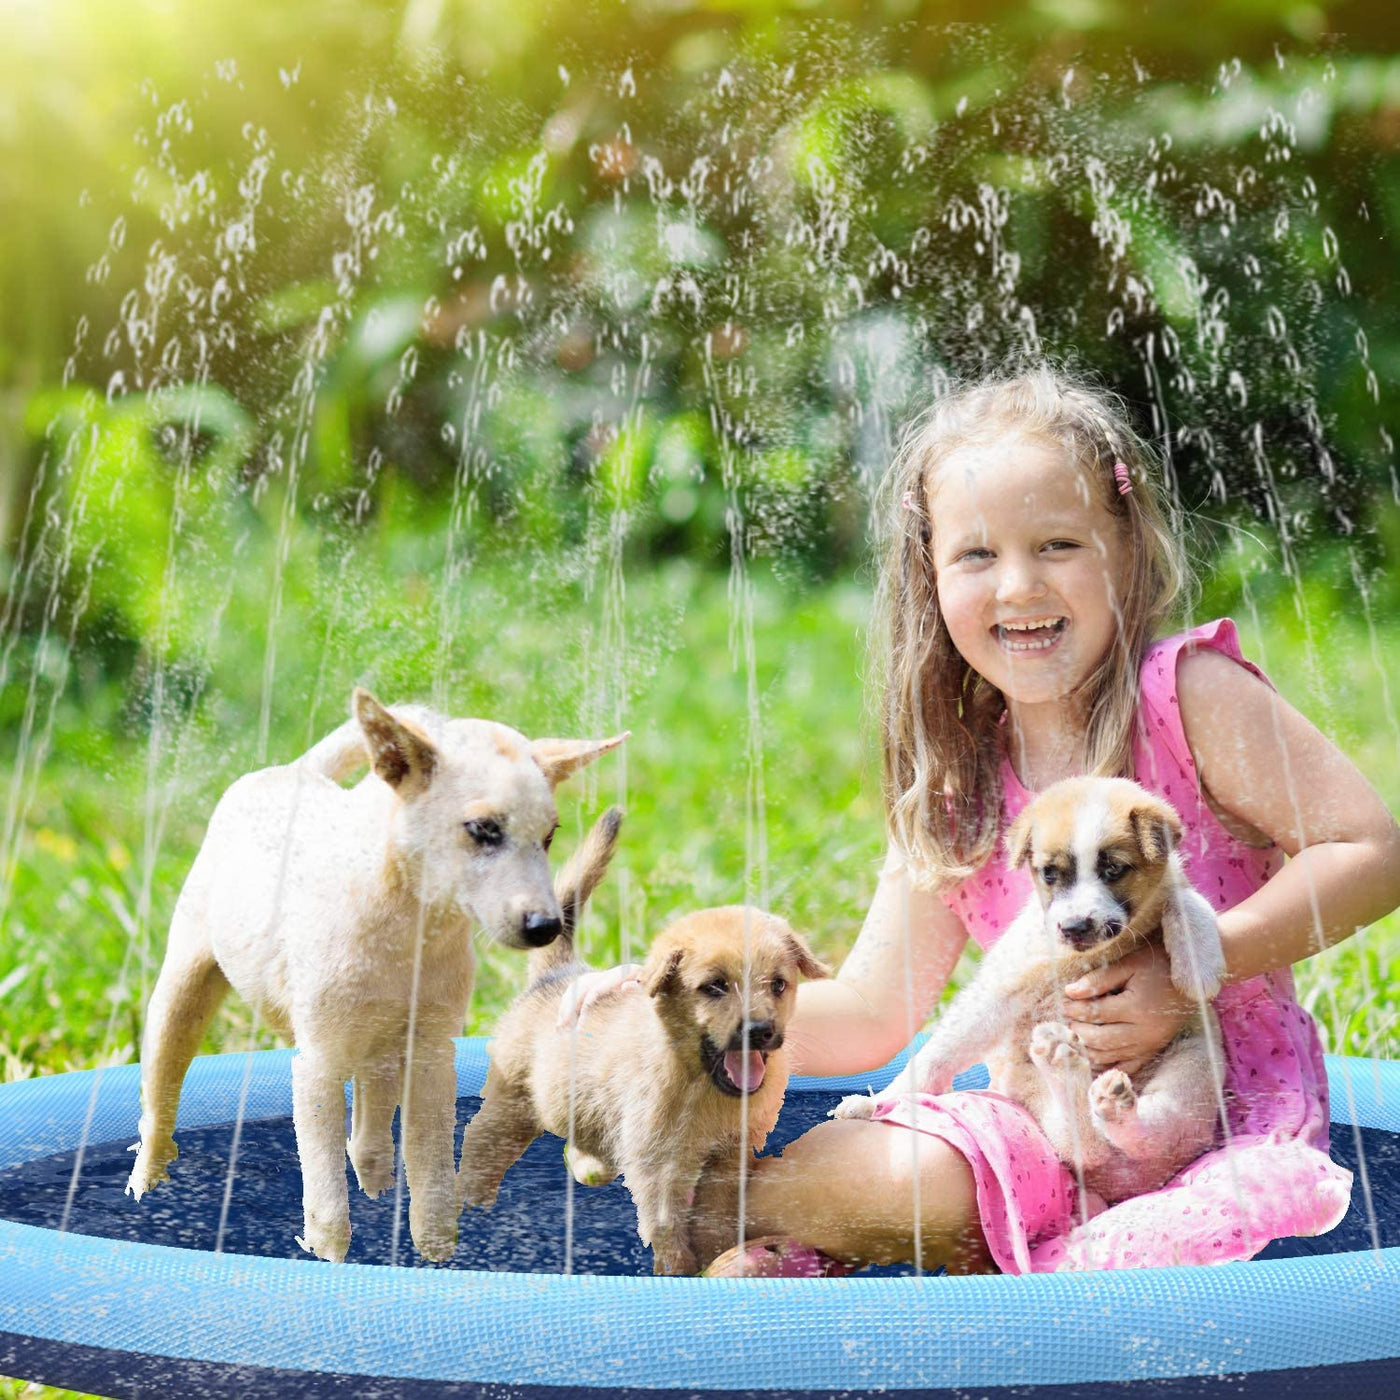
{"x":907,"y":500}
{"x":1120,"y":475}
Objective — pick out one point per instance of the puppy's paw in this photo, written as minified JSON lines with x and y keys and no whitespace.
{"x":326,"y":1239}
{"x":1112,"y":1096}
{"x":373,"y":1170}
{"x":1055,"y":1049}
{"x":435,"y":1240}
{"x":678,"y":1260}
{"x":150,"y":1167}
{"x":587,"y":1169}
{"x":855,"y":1106}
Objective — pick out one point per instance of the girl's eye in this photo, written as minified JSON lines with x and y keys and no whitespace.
{"x":716,"y":987}
{"x":485,"y":833}
{"x":973,"y":556}
{"x":1059,"y":545}
{"x":779,"y":986}
{"x":1049,"y":874}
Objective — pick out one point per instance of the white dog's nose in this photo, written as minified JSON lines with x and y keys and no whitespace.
{"x":540,"y":929}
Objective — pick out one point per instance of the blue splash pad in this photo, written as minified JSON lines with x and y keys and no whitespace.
{"x":133,"y":1298}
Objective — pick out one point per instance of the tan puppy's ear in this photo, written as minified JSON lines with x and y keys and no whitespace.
{"x":399,"y":752}
{"x":661,"y":971}
{"x":807,"y":962}
{"x":1018,"y":840}
{"x":1157,"y":829}
{"x":562,"y":758}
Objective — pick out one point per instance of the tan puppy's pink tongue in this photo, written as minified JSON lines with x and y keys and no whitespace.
{"x":745,"y":1071}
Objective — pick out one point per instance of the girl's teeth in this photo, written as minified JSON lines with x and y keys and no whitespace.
{"x":1039,"y":638}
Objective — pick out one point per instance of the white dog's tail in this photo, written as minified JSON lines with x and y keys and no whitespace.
{"x":339,"y":754}
{"x":578,"y":879}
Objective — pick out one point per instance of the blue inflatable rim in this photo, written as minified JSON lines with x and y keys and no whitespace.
{"x":534,"y":1332}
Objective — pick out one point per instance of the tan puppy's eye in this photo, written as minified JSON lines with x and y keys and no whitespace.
{"x":716,"y":987}
{"x":778,"y":986}
{"x":485,"y":833}
{"x":1113,"y":871}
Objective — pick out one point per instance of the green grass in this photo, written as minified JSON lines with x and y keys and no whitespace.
{"x":109,"y":835}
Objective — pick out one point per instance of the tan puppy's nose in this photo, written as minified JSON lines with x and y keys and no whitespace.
{"x":538,"y":929}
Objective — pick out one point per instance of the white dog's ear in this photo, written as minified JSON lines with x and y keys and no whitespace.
{"x":400,"y":753}
{"x":562,"y":758}
{"x":1192,"y":940}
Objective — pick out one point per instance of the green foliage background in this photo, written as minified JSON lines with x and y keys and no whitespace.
{"x":540,"y":360}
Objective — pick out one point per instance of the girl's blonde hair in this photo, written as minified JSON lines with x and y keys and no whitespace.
{"x":940,"y":721}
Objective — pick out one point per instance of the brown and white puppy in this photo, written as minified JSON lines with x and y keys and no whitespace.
{"x":1102,"y":852}
{"x":344,"y":916}
{"x":658,"y":1088}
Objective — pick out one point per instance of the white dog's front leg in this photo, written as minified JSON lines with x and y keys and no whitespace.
{"x":318,"y":1114}
{"x":375,"y":1096}
{"x":429,"y":1116}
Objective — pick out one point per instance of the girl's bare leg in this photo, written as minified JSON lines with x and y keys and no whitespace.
{"x":862,"y":1192}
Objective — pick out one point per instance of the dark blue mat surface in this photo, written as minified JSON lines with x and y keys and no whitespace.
{"x":528,"y":1229}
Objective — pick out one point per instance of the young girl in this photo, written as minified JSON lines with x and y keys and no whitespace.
{"x":1033,"y":558}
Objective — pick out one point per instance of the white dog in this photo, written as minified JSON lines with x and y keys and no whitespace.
{"x":1107,"y":879}
{"x":344,"y":917}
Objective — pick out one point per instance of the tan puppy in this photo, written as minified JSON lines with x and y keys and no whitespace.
{"x":657,"y":1088}
{"x":1107,"y":878}
{"x":344,"y":917}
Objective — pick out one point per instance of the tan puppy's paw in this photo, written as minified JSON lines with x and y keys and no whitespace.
{"x":587,"y":1169}
{"x":1112,"y":1096}
{"x":855,"y":1107}
{"x":677,"y":1260}
{"x":326,"y":1239}
{"x":1055,"y":1049}
{"x":373,"y":1170}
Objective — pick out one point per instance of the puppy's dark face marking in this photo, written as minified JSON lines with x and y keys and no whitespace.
{"x":1099,"y":850}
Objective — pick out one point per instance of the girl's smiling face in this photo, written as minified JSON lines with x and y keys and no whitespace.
{"x":1030,"y":566}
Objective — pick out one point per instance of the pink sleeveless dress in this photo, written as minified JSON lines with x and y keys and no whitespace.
{"x":1271,"y":1175}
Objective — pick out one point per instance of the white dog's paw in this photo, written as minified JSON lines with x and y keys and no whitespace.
{"x":150,"y":1167}
{"x":1055,"y":1049}
{"x":1112,"y":1096}
{"x":326,"y":1239}
{"x":373,"y":1170}
{"x":855,"y":1106}
{"x":434,"y":1233}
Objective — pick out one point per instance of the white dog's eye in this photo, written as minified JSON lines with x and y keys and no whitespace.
{"x":1049,"y":874}
{"x":549,"y":840}
{"x":715,"y":987}
{"x":485,"y":833}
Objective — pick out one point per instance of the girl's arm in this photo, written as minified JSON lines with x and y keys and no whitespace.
{"x":1262,"y":762}
{"x":890,"y":981}
{"x":1265,"y":765}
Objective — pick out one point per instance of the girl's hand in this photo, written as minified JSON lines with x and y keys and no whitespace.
{"x":583,"y":991}
{"x":1127,"y":1013}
